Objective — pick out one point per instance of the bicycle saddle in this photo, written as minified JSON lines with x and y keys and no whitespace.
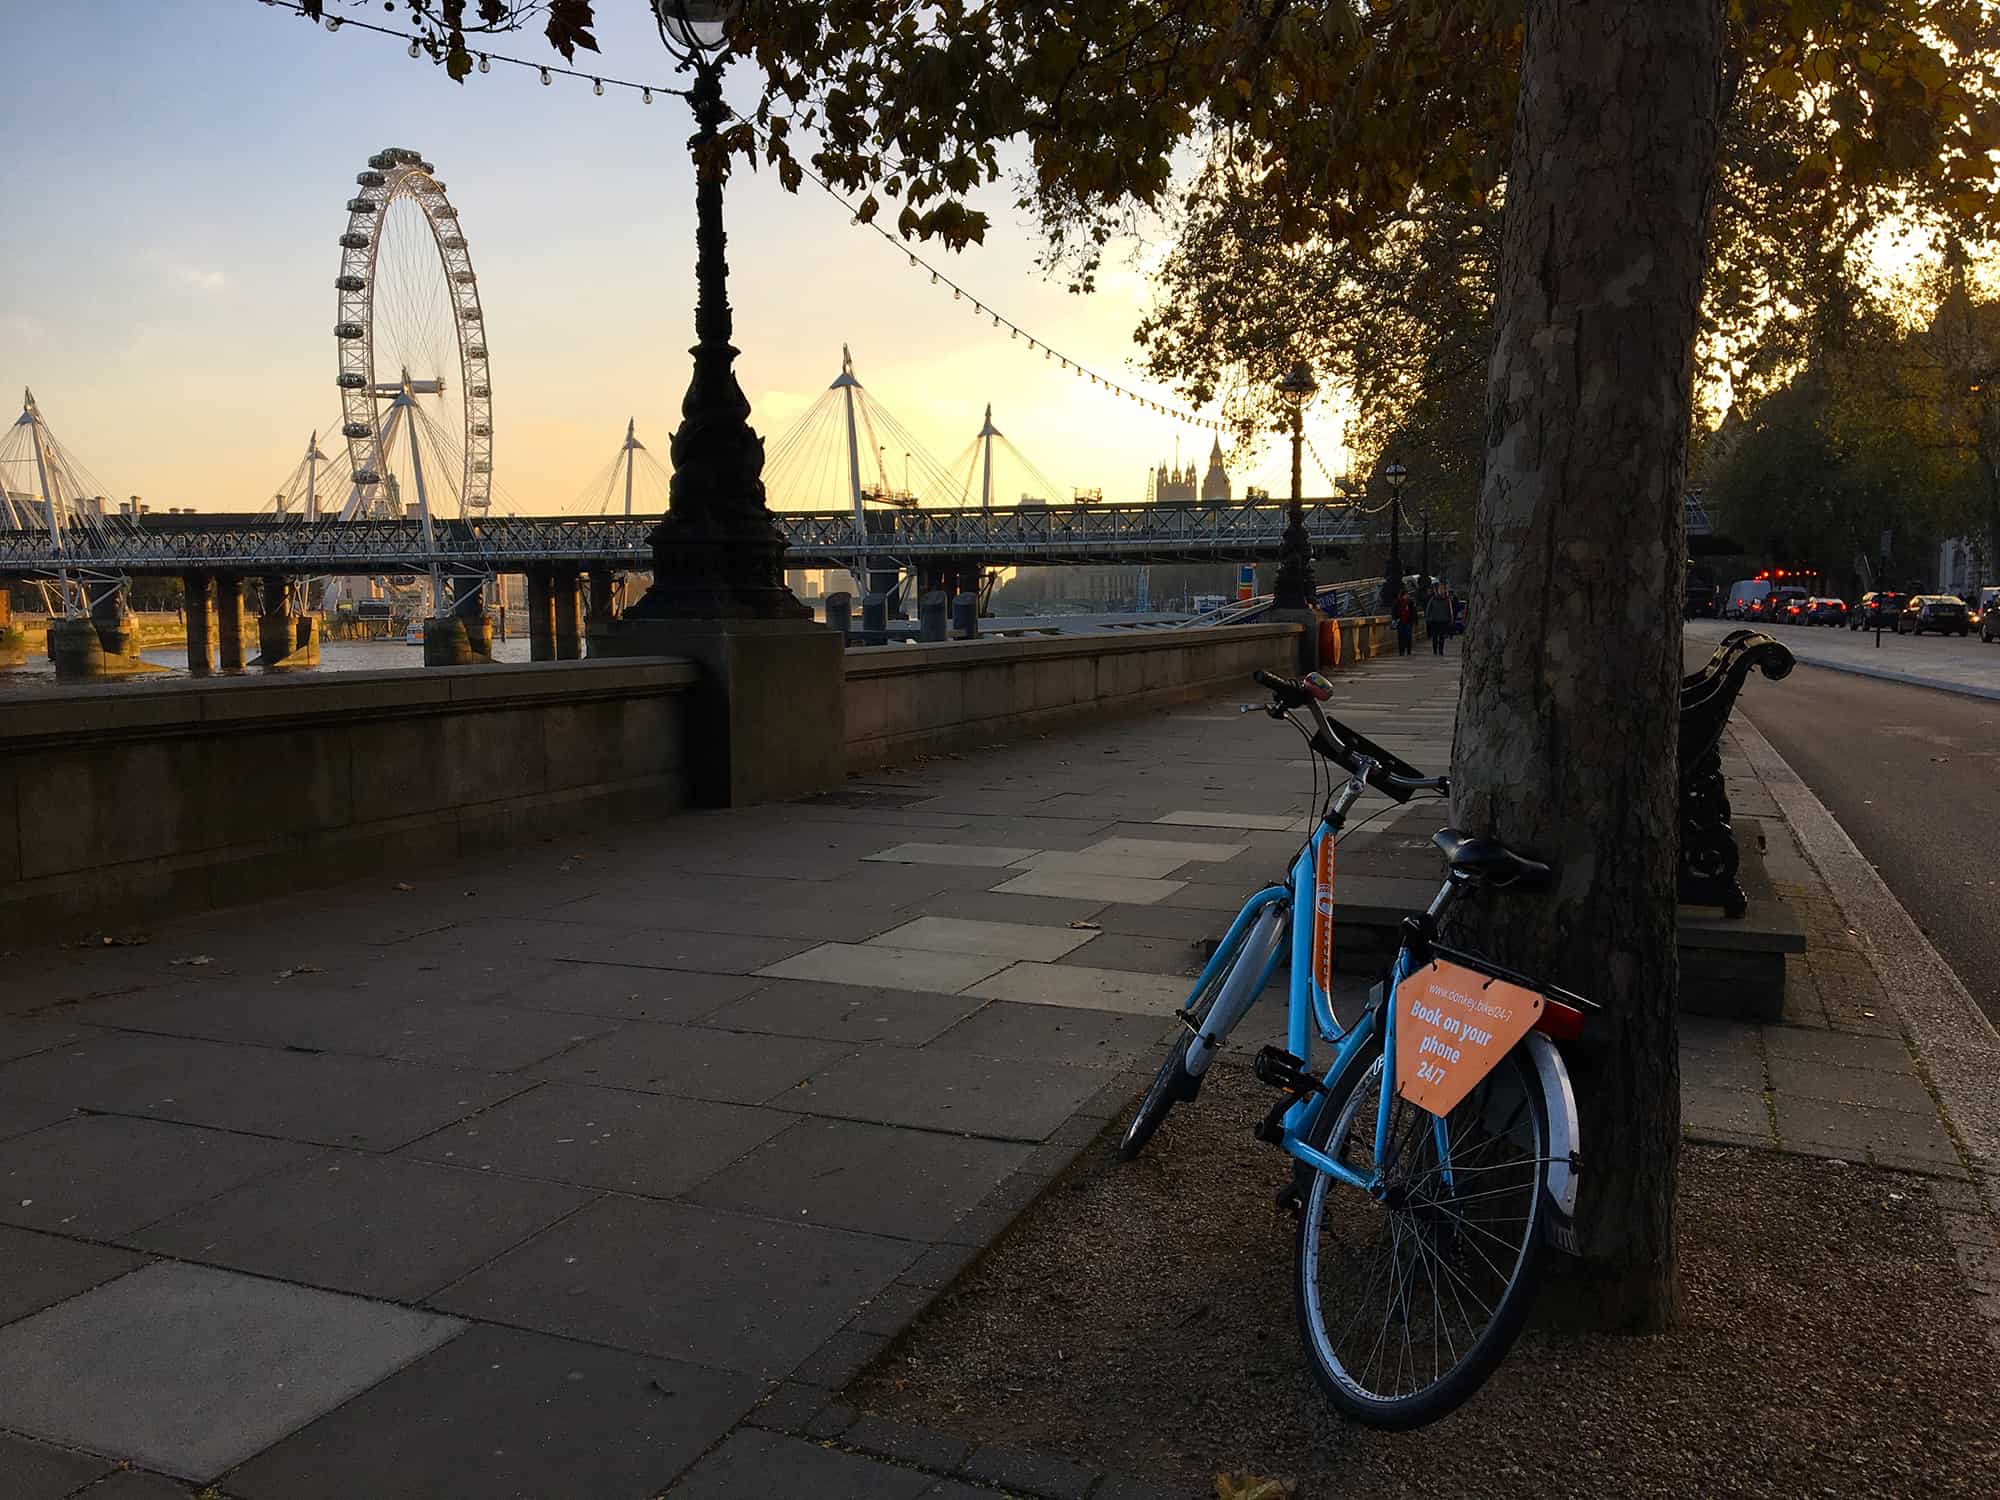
{"x":1476,"y":861}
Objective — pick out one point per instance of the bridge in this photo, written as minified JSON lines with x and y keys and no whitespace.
{"x":1228,"y":531}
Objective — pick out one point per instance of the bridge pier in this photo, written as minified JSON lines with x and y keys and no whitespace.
{"x":569,"y":618}
{"x":541,"y":615}
{"x":285,"y":642}
{"x":116,"y":631}
{"x":13,"y":640}
{"x":194,"y":607}
{"x":468,"y":595}
{"x":228,"y":622}
{"x":598,"y":612}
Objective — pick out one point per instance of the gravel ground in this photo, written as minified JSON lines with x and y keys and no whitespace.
{"x":1140,"y":1318}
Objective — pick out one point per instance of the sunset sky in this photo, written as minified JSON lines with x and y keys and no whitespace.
{"x":177,"y":176}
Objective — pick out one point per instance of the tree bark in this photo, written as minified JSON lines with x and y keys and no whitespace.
{"x":1569,"y":703}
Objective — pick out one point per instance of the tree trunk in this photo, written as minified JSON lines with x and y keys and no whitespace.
{"x":1568,"y":709}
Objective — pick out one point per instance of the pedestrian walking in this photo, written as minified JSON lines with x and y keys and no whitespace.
{"x":1404,"y":613}
{"x":1437,"y":615}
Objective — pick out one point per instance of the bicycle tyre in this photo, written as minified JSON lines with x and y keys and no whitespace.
{"x":1345,"y":1130}
{"x":1172,"y":1084}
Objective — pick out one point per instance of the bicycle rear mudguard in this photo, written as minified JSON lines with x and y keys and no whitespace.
{"x":1559,"y":1179}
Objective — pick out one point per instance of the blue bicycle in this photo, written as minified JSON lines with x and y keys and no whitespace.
{"x":1436,"y":1154}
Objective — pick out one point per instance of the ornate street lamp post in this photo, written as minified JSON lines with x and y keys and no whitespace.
{"x":1392,"y":581}
{"x":717,"y":555}
{"x":1294,"y":586}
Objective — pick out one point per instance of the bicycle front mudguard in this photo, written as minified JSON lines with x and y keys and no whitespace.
{"x":1559,"y":1179}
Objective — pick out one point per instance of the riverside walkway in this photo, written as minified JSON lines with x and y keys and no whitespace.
{"x":599,"y":1169}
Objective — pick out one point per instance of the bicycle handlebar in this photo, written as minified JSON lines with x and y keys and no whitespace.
{"x":1346,"y":747}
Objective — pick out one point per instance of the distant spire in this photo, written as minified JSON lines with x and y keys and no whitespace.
{"x":630,"y":440}
{"x":846,"y":375}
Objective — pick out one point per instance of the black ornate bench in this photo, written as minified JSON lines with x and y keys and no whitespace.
{"x":1709,"y":856}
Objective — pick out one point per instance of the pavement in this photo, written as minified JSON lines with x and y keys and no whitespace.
{"x":601,"y":1168}
{"x":1950,"y":663}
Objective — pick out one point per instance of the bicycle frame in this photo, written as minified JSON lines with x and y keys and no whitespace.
{"x":1308,"y":1008}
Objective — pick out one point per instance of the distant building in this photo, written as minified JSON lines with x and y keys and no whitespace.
{"x":1171,"y":484}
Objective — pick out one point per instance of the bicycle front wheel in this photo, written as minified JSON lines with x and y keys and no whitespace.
{"x":1173,"y":1082}
{"x":1409,"y":1297}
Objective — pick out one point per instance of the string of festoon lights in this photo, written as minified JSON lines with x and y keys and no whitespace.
{"x":979,"y":307}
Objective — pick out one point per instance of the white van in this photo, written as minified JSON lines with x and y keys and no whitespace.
{"x":1743,"y":595}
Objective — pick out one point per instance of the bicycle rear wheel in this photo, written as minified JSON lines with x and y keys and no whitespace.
{"x":1409,"y":1298}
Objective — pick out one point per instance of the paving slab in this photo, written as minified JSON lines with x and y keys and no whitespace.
{"x":705,"y":952}
{"x":376,"y":1226}
{"x":1070,"y":862}
{"x":1838,"y":1048}
{"x":936,"y":1089}
{"x":479,"y":1037}
{"x":725,"y":1290}
{"x":1201,"y":818}
{"x":890,"y":968}
{"x":1860,"y":1135}
{"x":977,"y":856}
{"x":1730,"y":1113}
{"x":1164,"y":848}
{"x":845,"y":1012}
{"x":994,"y":939}
{"x":1133,"y":890}
{"x":696,"y":1062}
{"x":759,"y":1465}
{"x":1877,"y":1088}
{"x":336,"y":1100}
{"x":1087,"y":988}
{"x":1740,"y":1067}
{"x":19,"y":1116}
{"x":42,"y":1269}
{"x":40,"y":1471}
{"x":151,"y":1366}
{"x":29,"y":1035}
{"x":627,"y":992}
{"x":103,"y":1176}
{"x":614,"y":1139}
{"x":1032,"y":911}
{"x":499,"y":1412}
{"x":912,"y":1184}
{"x":136,"y":1484}
{"x":1057,"y":1033}
{"x":1180,"y":954}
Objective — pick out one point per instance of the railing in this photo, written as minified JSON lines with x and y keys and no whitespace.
{"x":1224,"y":531}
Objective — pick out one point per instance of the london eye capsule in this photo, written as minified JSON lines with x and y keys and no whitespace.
{"x":362,"y":205}
{"x":355,"y":429}
{"x":354,"y":239}
{"x":349,"y":331}
{"x":350,"y":381}
{"x":349,"y":284}
{"x":369,"y":179}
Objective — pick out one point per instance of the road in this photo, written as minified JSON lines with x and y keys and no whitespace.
{"x":1913,"y":775}
{"x":1965,"y":663}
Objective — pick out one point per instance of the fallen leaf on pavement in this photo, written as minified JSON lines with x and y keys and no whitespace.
{"x":199,"y":958}
{"x":1250,"y":1487}
{"x":1086,"y":927}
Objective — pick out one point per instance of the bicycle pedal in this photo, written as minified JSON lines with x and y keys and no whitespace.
{"x":1281,"y":1070}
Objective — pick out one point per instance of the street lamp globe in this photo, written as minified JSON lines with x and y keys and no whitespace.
{"x":692,"y":29}
{"x":1298,"y":386}
{"x":1395,"y":474}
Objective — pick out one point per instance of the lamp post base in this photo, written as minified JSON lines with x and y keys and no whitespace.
{"x":769,"y":720}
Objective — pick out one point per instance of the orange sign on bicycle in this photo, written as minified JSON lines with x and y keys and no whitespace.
{"x":1453,"y":1025}
{"x":1322,"y":951}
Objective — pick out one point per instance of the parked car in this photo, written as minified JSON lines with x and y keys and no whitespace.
{"x":1876,"y":609}
{"x":1944,"y":613}
{"x":1826,"y":611}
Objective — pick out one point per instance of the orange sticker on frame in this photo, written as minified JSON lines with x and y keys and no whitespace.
{"x":1453,"y":1025}
{"x":1323,"y":918}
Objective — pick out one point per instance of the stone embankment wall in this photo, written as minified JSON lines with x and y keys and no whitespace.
{"x":913,"y":700}
{"x":121,"y":803}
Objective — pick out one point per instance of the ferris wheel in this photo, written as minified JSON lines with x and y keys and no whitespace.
{"x":416,"y":400}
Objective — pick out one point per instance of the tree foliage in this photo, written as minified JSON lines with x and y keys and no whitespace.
{"x":1342,"y":112}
